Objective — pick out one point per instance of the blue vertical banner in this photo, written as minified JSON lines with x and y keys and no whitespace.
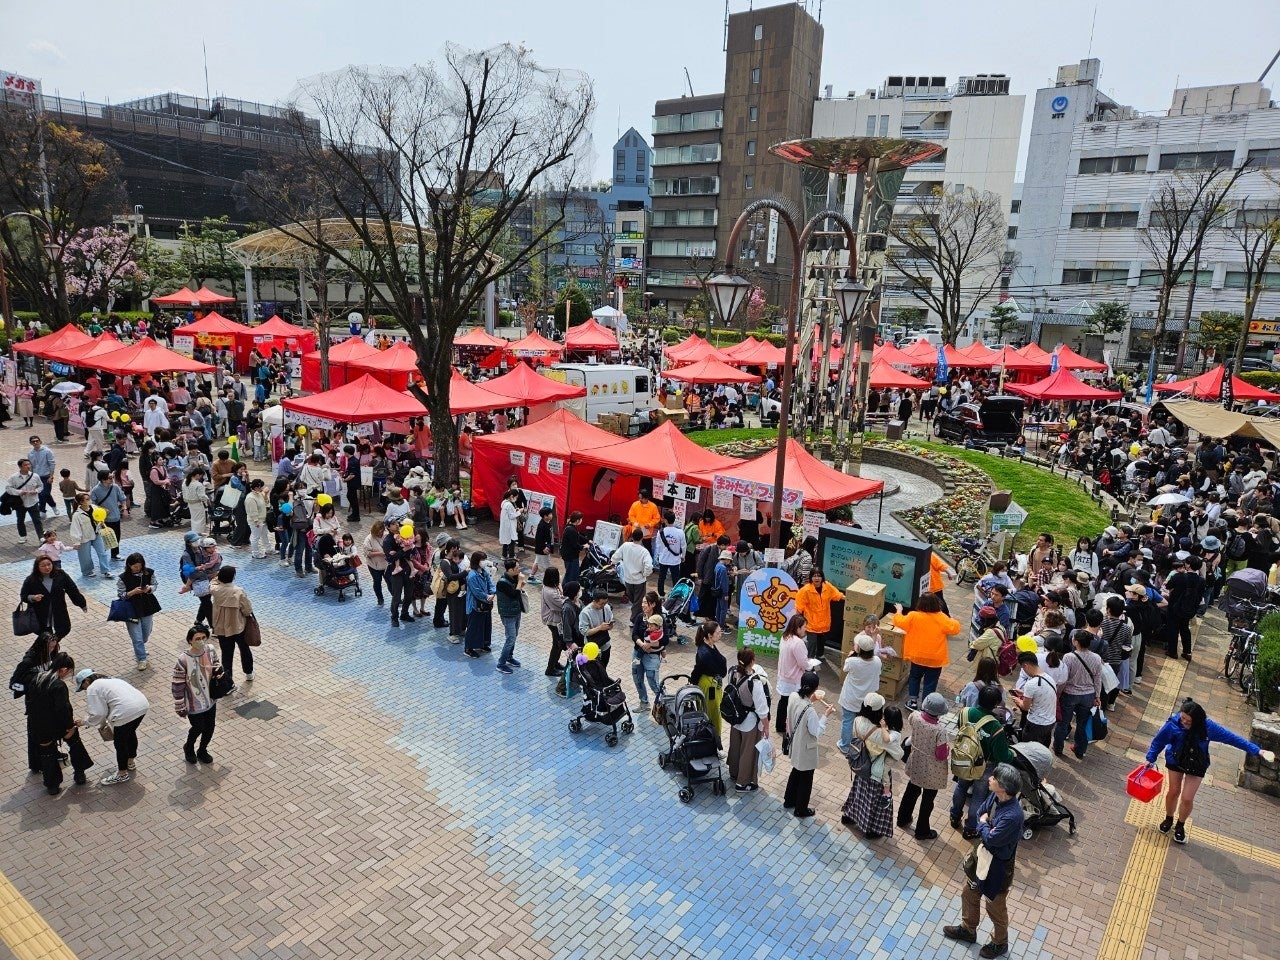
{"x":941,"y":372}
{"x":1053,"y":360}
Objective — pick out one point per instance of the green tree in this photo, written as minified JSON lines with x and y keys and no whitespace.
{"x":1002,"y":318}
{"x":1219,"y":333}
{"x":204,"y":250}
{"x":579,"y":306}
{"x":1107,"y":318}
{"x":910,"y":318}
{"x":160,"y":270}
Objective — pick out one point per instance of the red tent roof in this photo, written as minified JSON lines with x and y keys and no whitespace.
{"x":535,"y":343}
{"x":479,"y":337}
{"x":102,"y":343}
{"x":1209,"y":384}
{"x":921,"y":350}
{"x":214,"y":323}
{"x":761,"y":353}
{"x":358,"y":401}
{"x":349,"y":350}
{"x":823,"y":486}
{"x":692,"y":349}
{"x":590,"y":336}
{"x":659,"y":452}
{"x":207,"y":298}
{"x":1062,"y":385}
{"x":146,"y":356}
{"x":559,"y":435}
{"x":894,"y":355}
{"x":885,"y":376}
{"x":524,"y":388}
{"x":1032,"y":352}
{"x":276,"y":327}
{"x":1011,"y":359}
{"x":468,"y":397}
{"x":710,"y":370}
{"x":51,"y":345}
{"x":930,"y":358}
{"x":400,"y":358}
{"x":731,"y":353}
{"x":184,"y":297}
{"x":980,"y":353}
{"x":1068,"y":359}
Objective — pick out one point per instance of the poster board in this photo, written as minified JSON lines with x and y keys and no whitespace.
{"x":765,"y":604}
{"x":537,"y":501}
{"x":847,"y":554}
{"x":607,"y":535}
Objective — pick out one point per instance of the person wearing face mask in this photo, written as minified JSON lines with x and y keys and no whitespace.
{"x":807,"y":714}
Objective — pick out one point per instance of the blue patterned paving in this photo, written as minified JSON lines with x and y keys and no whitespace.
{"x":594,"y":839}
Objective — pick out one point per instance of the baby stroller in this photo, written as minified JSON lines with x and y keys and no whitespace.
{"x":598,"y":571}
{"x":1246,"y":598}
{"x":175,"y":512}
{"x":222,"y":508}
{"x":1042,"y":804}
{"x":675,"y":606}
{"x":338,"y":571}
{"x":692,"y":744}
{"x":602,"y":702}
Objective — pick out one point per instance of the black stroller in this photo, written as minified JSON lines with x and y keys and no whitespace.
{"x":222,"y":509}
{"x":337,"y":569}
{"x":598,"y":571}
{"x":1041,"y":802}
{"x":692,"y":743}
{"x":675,"y":607}
{"x":603,"y":702}
{"x":1246,"y":598}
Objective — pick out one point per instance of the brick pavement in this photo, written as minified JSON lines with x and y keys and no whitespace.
{"x":404,"y":801}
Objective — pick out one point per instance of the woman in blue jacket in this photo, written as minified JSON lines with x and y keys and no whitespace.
{"x":480,"y":596}
{"x":1185,"y":739}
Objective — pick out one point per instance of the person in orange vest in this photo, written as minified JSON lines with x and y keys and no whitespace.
{"x":814,"y":600}
{"x":709,"y":528}
{"x":644,"y":515}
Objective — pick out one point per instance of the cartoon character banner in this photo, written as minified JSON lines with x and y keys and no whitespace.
{"x":767,"y":602}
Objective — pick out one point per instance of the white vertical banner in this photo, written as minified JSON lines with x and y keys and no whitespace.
{"x":771,"y":252}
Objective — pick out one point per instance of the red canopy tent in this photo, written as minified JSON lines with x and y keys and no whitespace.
{"x":886,"y":377}
{"x":397,"y":366}
{"x":1033,"y":352}
{"x":535,"y":345}
{"x":731,"y":353}
{"x":479,"y":337}
{"x":275,"y":334}
{"x":590,"y":336}
{"x":49,"y":346}
{"x":1011,"y":360}
{"x":185,"y":297}
{"x":543,"y":458}
{"x":211,"y":325}
{"x":207,"y":298}
{"x":468,"y":397}
{"x":1068,"y":359}
{"x":980,"y":353}
{"x":147,"y":356}
{"x":691,"y":350}
{"x":921,"y":350}
{"x":710,"y":370}
{"x":524,"y":388}
{"x":659,"y":452}
{"x":761,"y":354}
{"x":1062,"y":385}
{"x":361,"y":400}
{"x":894,"y":355}
{"x":824,"y":488}
{"x":78,"y":355}
{"x":1209,"y":384}
{"x":340,"y":355}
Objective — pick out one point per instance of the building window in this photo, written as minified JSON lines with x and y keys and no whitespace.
{"x":622,"y":159}
{"x":884,"y":125}
{"x":630,"y":226}
{"x":1015,"y":206}
{"x":871,"y":125}
{"x":1204,"y":160}
{"x":748,"y":181}
{"x":1265,"y":159}
{"x":1093,"y":165}
{"x":1094,"y":275}
{"x":759,"y":32}
{"x":1111,"y":220}
{"x":640,"y":160}
{"x":689,"y":153}
{"x":640,"y":178}
{"x":1013,"y":233}
{"x":751,"y":148}
{"x":684,"y":186}
{"x":755,"y":74}
{"x":753,"y":114}
{"x":631,"y":251}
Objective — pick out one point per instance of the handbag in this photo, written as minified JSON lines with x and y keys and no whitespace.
{"x":1096,"y":725}
{"x":201,"y":587}
{"x":25,"y":620}
{"x":121,"y":610}
{"x":145,"y":605}
{"x":109,"y":538}
{"x":524,"y":603}
{"x":106,"y":731}
{"x":977,"y":863}
{"x":252,"y":631}
{"x":220,"y":685}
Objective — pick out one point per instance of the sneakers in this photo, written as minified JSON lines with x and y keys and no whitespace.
{"x":513,"y":662}
{"x":248,"y":678}
{"x":24,"y":540}
{"x":407,"y":618}
{"x":143,"y":664}
{"x":913,"y":704}
{"x":804,"y":814}
{"x":190,"y":754}
{"x":107,"y":575}
{"x":80,"y":778}
{"x":133,"y":764}
{"x":472,"y":654}
{"x":204,"y":756}
{"x":115,"y":778}
{"x":1166,"y":825}
{"x":993,"y":949}
{"x":746,"y":787}
{"x":455,"y":638}
{"x":1179,"y":832}
{"x":503,"y":668}
{"x":963,"y":934}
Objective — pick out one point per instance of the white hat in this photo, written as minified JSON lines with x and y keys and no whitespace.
{"x":864,"y":643}
{"x":873,"y":701}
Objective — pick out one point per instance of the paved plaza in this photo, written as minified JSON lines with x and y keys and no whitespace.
{"x":376,"y":794}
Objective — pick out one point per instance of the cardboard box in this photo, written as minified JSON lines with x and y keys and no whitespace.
{"x":678,"y":417}
{"x":892,"y":689}
{"x":861,"y":598}
{"x":894,"y":668}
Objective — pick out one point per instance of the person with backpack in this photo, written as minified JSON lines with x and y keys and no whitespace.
{"x":745,"y":706}
{"x":869,"y":806}
{"x":52,"y":720}
{"x":1184,"y":590}
{"x":981,"y":743}
{"x":1185,"y":739}
{"x":570,"y":632}
{"x":1079,"y":694}
{"x":36,"y":659}
{"x":991,"y":635}
{"x":1036,"y":695}
{"x":572,"y":544}
{"x":669,"y":548}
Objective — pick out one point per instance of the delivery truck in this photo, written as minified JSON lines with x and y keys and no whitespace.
{"x":611,"y":388}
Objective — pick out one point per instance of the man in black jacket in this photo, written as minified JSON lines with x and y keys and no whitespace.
{"x":52,"y":720}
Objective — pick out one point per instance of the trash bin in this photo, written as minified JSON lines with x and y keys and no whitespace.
{"x":893,"y":430}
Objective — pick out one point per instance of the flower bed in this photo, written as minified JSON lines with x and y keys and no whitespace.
{"x":960,"y":512}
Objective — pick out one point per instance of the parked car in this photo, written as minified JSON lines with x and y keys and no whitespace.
{"x":996,"y":420}
{"x":1269,"y":410}
{"x":1126,"y":410}
{"x":1254,"y":365}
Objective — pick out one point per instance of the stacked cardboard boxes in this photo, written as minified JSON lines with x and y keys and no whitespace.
{"x":865,"y":597}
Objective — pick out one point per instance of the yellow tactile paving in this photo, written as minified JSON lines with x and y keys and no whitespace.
{"x":24,"y":931}
{"x":1229,"y":845}
{"x":1126,"y":932}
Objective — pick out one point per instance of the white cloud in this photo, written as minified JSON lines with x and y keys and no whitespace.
{"x":47,"y":48}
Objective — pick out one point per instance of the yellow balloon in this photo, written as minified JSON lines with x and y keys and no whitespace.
{"x":124,"y":418}
{"x":302,"y":431}
{"x":591,"y":650}
{"x":99,"y":514}
{"x":406,"y":530}
{"x":323,"y":500}
{"x":115,"y":414}
{"x":233,"y":440}
{"x":1,"y":323}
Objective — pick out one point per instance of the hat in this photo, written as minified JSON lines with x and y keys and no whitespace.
{"x":82,"y":675}
{"x":1111,"y":532}
{"x":1147,"y":554}
{"x":190,"y":536}
{"x":935,"y":704}
{"x":208,"y":542}
{"x":1181,"y":556}
{"x":1211,"y":543}
{"x":655,"y":620}
{"x":743,"y":547}
{"x":394,"y":494}
{"x":864,"y":643}
{"x":1137,"y":588}
{"x":1082,"y":576}
{"x":1048,"y":560}
{"x":1027,"y":644}
{"x":873,"y":701}
{"x":988,"y":612}
{"x":726,"y":555}
{"x":441,"y":540}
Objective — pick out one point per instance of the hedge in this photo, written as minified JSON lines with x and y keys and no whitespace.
{"x":1265,"y":379}
{"x":1266,"y":672}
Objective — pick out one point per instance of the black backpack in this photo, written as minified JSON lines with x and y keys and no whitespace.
{"x":733,"y":707}
{"x":1237,"y":547}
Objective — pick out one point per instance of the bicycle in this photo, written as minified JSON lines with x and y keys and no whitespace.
{"x":1241,"y":658}
{"x":977,"y":560}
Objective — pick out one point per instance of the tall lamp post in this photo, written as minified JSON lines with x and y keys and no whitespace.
{"x":729,"y":291}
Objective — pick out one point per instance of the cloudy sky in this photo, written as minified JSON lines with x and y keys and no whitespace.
{"x":635,"y":52}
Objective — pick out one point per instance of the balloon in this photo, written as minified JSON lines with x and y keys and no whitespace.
{"x":302,"y":431}
{"x":124,"y":418}
{"x":323,"y":500}
{"x":99,"y":514}
{"x":187,"y":571}
{"x":406,"y":530}
{"x":591,"y":650}
{"x":233,"y":440}
{"x":1,"y":323}
{"x":286,"y":508}
{"x":115,"y":414}
{"x":580,"y":660}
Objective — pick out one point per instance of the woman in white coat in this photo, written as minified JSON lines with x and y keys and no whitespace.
{"x":509,"y":524}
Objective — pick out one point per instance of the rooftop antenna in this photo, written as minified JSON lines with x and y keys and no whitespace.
{"x":725,"y":47}
{"x":205,"y":50}
{"x":1264,"y":73}
{"x":689,"y":81}
{"x":1093,"y":23}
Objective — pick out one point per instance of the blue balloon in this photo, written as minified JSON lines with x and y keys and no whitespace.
{"x":286,"y":508}
{"x":187,"y":571}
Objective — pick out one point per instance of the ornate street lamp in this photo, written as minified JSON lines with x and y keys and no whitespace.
{"x":851,"y":298}
{"x":728,"y":293}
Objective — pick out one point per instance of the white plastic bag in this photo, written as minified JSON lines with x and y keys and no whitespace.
{"x":765,"y":749}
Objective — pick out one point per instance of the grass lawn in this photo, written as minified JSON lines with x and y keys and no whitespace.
{"x":713,"y":438}
{"x":1054,"y":505}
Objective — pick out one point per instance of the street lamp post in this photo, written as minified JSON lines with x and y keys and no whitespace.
{"x":729,"y":291}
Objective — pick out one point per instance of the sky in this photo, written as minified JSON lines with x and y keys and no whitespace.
{"x":635,"y":53}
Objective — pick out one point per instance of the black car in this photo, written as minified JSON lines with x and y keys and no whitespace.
{"x":996,"y":420}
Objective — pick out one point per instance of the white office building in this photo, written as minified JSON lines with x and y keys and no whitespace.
{"x":1094,"y":169}
{"x":976,"y":120}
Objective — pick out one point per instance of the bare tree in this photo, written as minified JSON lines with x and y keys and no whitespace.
{"x":426,"y":168}
{"x":1257,"y":232}
{"x":951,"y":250}
{"x":1183,"y":211}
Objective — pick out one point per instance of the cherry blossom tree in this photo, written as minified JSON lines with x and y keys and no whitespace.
{"x":100,"y":264}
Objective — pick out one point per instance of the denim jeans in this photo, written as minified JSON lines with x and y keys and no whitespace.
{"x":1074,"y":706}
{"x":139,"y":633}
{"x":86,"y":551}
{"x":922,"y":681}
{"x":511,"y":627}
{"x":977,"y":791}
{"x":644,"y":666}
{"x":302,"y":551}
{"x":284,"y":539}
{"x":846,"y":728}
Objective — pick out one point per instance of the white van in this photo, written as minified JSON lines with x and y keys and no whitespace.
{"x":611,"y":388}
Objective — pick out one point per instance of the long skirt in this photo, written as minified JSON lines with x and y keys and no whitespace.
{"x":869,"y":807}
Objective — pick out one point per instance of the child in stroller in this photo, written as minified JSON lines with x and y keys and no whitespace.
{"x":1042,"y":804}
{"x":337,"y":564}
{"x":603,"y":701}
{"x":675,"y":606}
{"x":692,"y":742}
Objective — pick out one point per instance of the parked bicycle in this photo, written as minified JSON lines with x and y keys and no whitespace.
{"x":978,"y":558}
{"x":1242,"y":657}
